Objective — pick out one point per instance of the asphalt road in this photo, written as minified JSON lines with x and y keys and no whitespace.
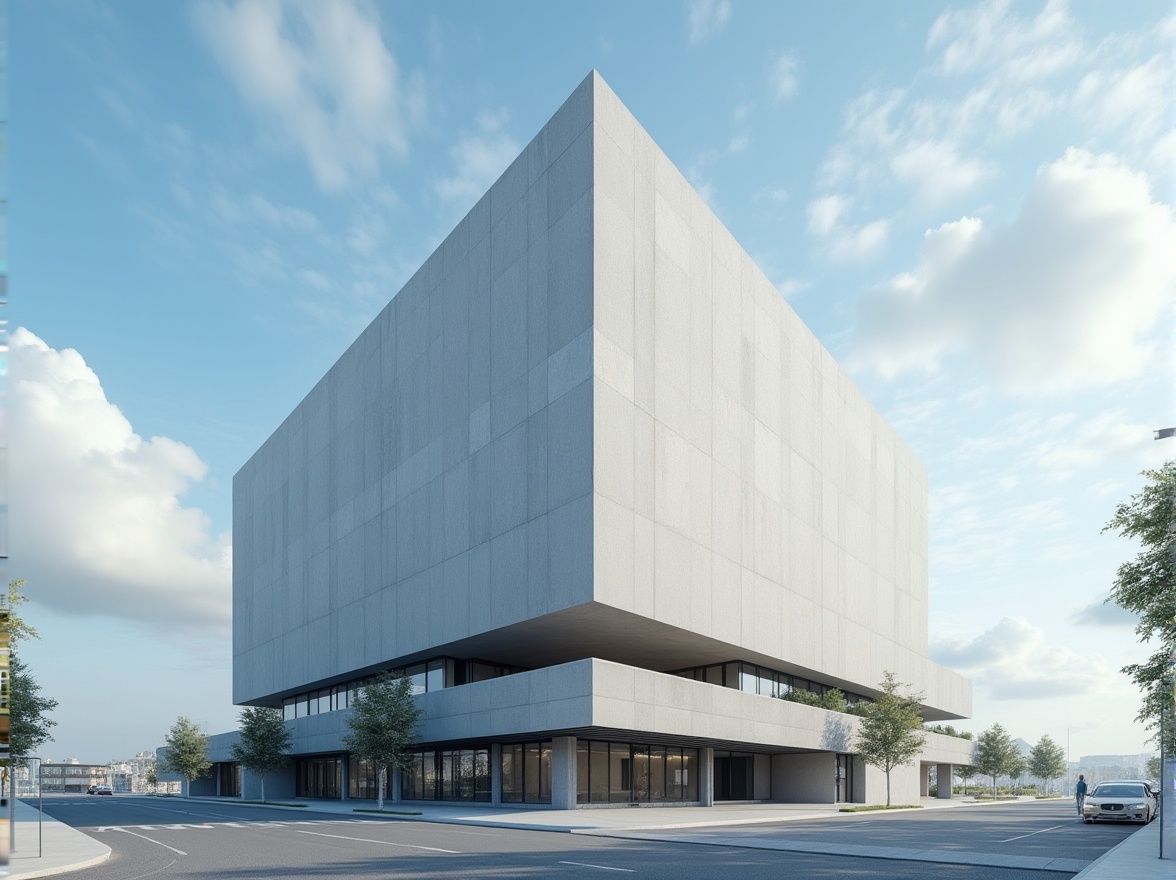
{"x":172,"y":840}
{"x":1047,"y":829}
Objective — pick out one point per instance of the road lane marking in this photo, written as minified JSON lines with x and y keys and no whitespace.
{"x":1031,"y":833}
{"x":156,"y":842}
{"x":384,"y":842}
{"x":599,"y":867}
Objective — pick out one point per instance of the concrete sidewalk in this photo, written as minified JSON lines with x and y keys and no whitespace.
{"x":62,"y":848}
{"x":1136,"y":858}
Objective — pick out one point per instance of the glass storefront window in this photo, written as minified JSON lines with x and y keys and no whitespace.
{"x":526,"y":773}
{"x":448,"y":775}
{"x":633,"y":773}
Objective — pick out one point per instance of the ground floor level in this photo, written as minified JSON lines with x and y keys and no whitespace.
{"x":565,"y":772}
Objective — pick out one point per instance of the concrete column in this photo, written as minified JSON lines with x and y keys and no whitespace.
{"x":345,"y":779}
{"x":943,"y":773}
{"x":924,"y":780}
{"x":496,"y":774}
{"x":216,"y":774}
{"x":706,"y":777}
{"x":563,"y":772}
{"x":396,"y":788}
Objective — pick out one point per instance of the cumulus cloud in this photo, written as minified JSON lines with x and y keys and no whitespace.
{"x":1068,"y":293}
{"x":320,"y":76}
{"x":101,"y":528}
{"x":1012,"y":661}
{"x":480,"y":158}
{"x":1101,"y":613}
{"x":707,"y":17}
{"x":785,"y":77}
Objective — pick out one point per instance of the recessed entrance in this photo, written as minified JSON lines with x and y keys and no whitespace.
{"x":734,"y":776}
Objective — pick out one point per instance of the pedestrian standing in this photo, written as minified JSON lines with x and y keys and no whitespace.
{"x":1080,"y":793}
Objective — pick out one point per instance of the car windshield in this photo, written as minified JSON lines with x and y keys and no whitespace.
{"x":1123,"y":791}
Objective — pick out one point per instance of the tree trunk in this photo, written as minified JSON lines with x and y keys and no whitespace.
{"x":186,"y":787}
{"x":262,"y":788}
{"x":888,"y":788}
{"x":380,"y":789}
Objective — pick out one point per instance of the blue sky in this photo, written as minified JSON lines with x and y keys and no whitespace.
{"x":970,"y":204}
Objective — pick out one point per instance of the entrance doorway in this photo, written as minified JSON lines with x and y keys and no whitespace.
{"x":734,"y":776}
{"x":844,"y":779}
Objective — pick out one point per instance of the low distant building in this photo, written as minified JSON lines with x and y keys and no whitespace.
{"x":72,"y":777}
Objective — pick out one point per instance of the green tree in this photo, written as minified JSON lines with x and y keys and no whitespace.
{"x":832,"y":699}
{"x":28,"y":708}
{"x":1152,"y":769}
{"x":1146,"y":586}
{"x":152,"y":776}
{"x":890,"y":732}
{"x":965,"y":772}
{"x":994,"y":753}
{"x":382,"y":721}
{"x":264,"y":743}
{"x":29,"y":721}
{"x":1016,"y":769}
{"x":187,"y":752}
{"x":1047,"y":761}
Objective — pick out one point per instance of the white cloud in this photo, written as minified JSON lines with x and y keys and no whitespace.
{"x":826,"y":221}
{"x":101,"y":528}
{"x":480,"y":158}
{"x":784,"y":78}
{"x":994,"y":73}
{"x":320,"y":76}
{"x":989,"y":36}
{"x":707,"y":17}
{"x":1069,"y":293}
{"x":1011,"y":661}
{"x":825,"y":213}
{"x":937,"y":171}
{"x":1098,"y":612}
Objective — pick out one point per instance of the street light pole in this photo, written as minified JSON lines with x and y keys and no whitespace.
{"x":1165,"y":783}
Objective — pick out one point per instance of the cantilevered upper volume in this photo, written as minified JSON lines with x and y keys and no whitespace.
{"x":586,"y":457}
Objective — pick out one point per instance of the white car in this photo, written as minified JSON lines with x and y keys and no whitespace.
{"x":1120,"y":801}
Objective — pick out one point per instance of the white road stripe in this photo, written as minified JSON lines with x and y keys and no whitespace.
{"x":1031,"y":833}
{"x":156,"y":842}
{"x":384,"y":842}
{"x":599,"y":867}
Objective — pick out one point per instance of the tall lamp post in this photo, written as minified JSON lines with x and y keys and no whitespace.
{"x":1166,"y":787}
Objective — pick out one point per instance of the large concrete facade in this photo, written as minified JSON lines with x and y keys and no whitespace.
{"x":590,"y":441}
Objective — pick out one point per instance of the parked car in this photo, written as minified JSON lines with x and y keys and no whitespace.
{"x":91,"y":789}
{"x":104,"y":789}
{"x":1121,"y":800}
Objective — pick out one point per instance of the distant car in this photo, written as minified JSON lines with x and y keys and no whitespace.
{"x":104,"y":789}
{"x":1120,"y":801}
{"x":91,"y":789}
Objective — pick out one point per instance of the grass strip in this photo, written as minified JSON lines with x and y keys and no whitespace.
{"x":867,"y":808}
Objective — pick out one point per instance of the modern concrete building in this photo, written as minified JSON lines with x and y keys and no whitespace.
{"x":590,"y":481}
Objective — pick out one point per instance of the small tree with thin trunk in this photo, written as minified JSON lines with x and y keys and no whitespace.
{"x":264,"y":743}
{"x":187,"y":751}
{"x":995,"y":751}
{"x":1047,"y":761}
{"x":383,"y":719}
{"x":1016,"y":769}
{"x":965,"y":772}
{"x":890,"y":732}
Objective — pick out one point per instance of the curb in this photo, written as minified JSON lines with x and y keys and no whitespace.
{"x":61,"y":869}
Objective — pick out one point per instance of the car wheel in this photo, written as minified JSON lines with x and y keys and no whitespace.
{"x":1088,"y":821}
